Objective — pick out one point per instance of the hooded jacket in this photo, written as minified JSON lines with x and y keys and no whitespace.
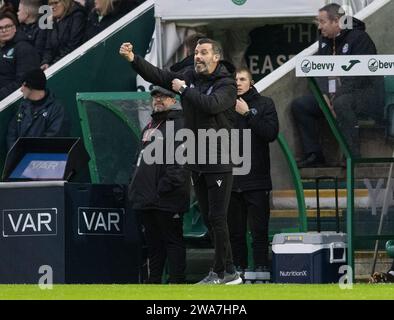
{"x":164,"y":187}
{"x":66,"y":35}
{"x":208,"y":103}
{"x":44,"y":118}
{"x":263,"y":122}
{"x":354,"y":41}
{"x":17,"y":57}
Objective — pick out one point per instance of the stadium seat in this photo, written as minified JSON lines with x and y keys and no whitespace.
{"x":193,"y":226}
{"x":390,"y":248}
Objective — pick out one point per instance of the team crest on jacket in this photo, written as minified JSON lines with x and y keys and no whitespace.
{"x":323,"y":45}
{"x":345,"y":48}
{"x":9,"y":54}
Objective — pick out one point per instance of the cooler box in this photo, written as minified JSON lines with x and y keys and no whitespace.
{"x":308,"y":257}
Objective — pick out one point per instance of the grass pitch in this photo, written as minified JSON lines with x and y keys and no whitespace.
{"x":192,"y":292}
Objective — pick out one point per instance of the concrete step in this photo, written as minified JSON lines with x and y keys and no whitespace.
{"x":361,"y":171}
{"x":363,"y":261}
{"x":311,"y":213}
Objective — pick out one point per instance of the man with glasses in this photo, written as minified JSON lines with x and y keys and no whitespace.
{"x":159,"y":192}
{"x":17,"y":55}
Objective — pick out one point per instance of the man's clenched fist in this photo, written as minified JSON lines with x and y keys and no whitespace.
{"x":126,"y":51}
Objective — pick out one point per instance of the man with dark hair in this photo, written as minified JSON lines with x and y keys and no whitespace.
{"x":349,"y":98}
{"x":17,"y":55}
{"x":159,"y":193}
{"x":208,"y":96}
{"x":39,"y":114}
{"x":249,"y":203}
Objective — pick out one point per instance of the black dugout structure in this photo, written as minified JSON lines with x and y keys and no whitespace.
{"x":76,"y":232}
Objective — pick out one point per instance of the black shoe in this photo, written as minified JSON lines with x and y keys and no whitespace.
{"x":312,"y":160}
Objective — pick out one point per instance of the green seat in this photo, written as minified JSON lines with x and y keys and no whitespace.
{"x":193,"y":225}
{"x":390,"y":248}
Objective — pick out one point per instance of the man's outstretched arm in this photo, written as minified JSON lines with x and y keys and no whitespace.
{"x":145,"y":69}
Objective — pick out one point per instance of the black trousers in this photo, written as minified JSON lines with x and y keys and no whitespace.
{"x":253,"y":208}
{"x":306,"y":113}
{"x":164,"y":238}
{"x":348,"y":108}
{"x":213,"y":192}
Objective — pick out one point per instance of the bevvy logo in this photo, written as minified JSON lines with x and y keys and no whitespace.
{"x":308,"y":66}
{"x":376,"y":64}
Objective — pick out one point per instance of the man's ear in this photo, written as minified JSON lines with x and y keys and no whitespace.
{"x":216,"y":57}
{"x":251,"y":82}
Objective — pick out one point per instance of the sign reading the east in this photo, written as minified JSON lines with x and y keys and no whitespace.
{"x":273,"y":45}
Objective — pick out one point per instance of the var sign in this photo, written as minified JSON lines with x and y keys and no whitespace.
{"x":100,"y":221}
{"x":29,"y":222}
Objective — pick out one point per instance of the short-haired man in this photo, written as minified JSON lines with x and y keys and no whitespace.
{"x":160,"y":194}
{"x":208,"y":96}
{"x":28,"y":16}
{"x":349,"y":98}
{"x":39,"y":114}
{"x":249,"y":203}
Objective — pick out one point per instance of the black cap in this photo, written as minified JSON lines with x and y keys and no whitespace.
{"x":161,"y":90}
{"x":35,"y":79}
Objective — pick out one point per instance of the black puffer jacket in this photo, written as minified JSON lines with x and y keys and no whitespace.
{"x":263,"y":122}
{"x":164,"y":187}
{"x":66,"y":35}
{"x":208,"y":103}
{"x":44,"y":118}
{"x":36,"y":36}
{"x":355,"y":41}
{"x":17,"y":57}
{"x":94,"y":26}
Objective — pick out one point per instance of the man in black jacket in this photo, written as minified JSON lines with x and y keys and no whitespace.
{"x":17,"y":56}
{"x":208,"y":97}
{"x":159,"y":193}
{"x":28,"y":17}
{"x":250,"y":195}
{"x":39,"y":114}
{"x":349,"y":98}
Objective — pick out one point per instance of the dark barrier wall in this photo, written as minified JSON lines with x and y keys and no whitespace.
{"x":100,"y":69}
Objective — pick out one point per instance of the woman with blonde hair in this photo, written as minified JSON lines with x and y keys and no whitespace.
{"x":104,"y":13}
{"x":69,"y":21}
